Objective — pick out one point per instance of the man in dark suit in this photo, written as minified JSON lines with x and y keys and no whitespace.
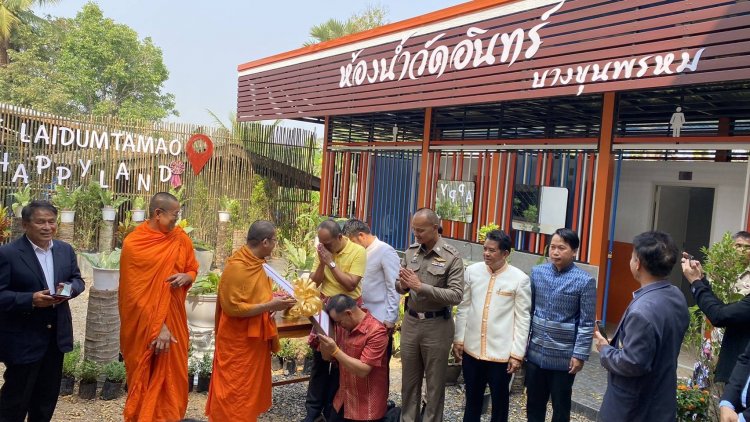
{"x":35,"y":327}
{"x":642,"y":357}
{"x":734,"y":317}
{"x":735,"y":400}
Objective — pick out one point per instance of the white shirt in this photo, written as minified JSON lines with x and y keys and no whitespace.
{"x":47,"y":263}
{"x":379,"y":293}
{"x":493,"y":319}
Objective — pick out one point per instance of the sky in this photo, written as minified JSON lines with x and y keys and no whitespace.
{"x":203,"y":46}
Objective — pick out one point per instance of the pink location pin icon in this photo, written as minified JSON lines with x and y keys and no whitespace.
{"x":199,"y":154}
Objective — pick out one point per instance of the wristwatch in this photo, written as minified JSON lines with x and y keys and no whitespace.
{"x":332,"y":265}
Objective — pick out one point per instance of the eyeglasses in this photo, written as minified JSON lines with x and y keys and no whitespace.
{"x":173,"y":214}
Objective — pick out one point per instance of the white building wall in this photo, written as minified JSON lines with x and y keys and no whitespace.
{"x":635,"y":206}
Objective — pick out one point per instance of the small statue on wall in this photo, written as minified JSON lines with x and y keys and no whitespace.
{"x":677,"y":121}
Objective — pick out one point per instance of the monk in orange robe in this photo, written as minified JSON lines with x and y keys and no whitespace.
{"x":245,"y":332}
{"x":157,"y":267}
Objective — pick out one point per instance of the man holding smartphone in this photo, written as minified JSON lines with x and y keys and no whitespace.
{"x":642,"y":357}
{"x":35,"y":325}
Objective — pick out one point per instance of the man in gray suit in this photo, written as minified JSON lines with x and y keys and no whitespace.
{"x":642,"y":357}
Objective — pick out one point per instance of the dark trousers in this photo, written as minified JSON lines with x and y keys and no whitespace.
{"x":543,"y":383}
{"x":322,"y":388}
{"x":339,"y":417}
{"x":32,"y":388}
{"x":479,"y":373}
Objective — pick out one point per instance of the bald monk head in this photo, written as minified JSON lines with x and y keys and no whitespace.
{"x":425,"y":224}
{"x":163,"y":211}
{"x":261,"y":238}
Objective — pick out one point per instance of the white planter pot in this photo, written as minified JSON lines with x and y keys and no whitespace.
{"x":224,"y":216}
{"x":67,"y":216}
{"x":108,"y":214}
{"x":201,"y":311}
{"x":204,"y":258}
{"x":138,"y":215}
{"x":19,"y":212}
{"x":106,"y":279}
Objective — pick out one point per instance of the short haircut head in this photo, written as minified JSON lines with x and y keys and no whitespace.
{"x":741,"y":235}
{"x":161,"y":200}
{"x":340,"y":303}
{"x":28,"y":211}
{"x":657,"y":252}
{"x":354,"y":227}
{"x":259,"y":231}
{"x":502,"y":239}
{"x":569,"y":237}
{"x":331,"y":226}
{"x":429,"y":214}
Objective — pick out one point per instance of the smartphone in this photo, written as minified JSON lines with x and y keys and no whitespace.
{"x":600,"y":327}
{"x":64,"y":291}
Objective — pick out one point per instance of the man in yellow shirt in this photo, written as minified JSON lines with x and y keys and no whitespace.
{"x":338,"y":269}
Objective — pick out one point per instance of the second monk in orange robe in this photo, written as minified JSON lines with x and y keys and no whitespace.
{"x":245,"y":332}
{"x":157,"y":267}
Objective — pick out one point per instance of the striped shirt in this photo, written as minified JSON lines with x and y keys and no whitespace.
{"x":563,"y":312}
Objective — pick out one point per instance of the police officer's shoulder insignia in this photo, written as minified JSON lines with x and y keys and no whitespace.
{"x":450,"y":249}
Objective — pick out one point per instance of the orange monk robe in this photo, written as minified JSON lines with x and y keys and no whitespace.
{"x":241,"y":380}
{"x":157,"y":384}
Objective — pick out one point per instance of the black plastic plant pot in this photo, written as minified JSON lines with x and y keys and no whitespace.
{"x":203,"y":383}
{"x":111,"y":390}
{"x":87,"y":390}
{"x":67,"y":384}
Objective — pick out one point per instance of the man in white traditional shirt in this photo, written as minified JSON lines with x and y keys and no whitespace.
{"x":379,"y":293}
{"x":492,"y":327}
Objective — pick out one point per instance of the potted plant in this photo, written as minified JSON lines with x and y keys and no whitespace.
{"x":205,"y":368}
{"x":22,"y":197}
{"x":114,"y":376}
{"x":110,"y":204}
{"x":482,"y":233}
{"x":70,"y":363}
{"x":308,"y":363}
{"x":65,"y":199}
{"x":226,"y":204}
{"x":88,"y":373}
{"x":692,"y":402}
{"x":277,"y":363}
{"x":125,"y":227}
{"x":106,"y":269}
{"x":139,"y":209}
{"x":204,"y":254}
{"x":288,"y":355}
{"x":193,"y":364}
{"x":201,"y":300}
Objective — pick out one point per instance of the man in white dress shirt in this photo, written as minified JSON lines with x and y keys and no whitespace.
{"x":379,"y":293}
{"x":492,"y":327}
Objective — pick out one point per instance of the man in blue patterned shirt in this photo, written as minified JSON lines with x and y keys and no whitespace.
{"x":562,"y":328}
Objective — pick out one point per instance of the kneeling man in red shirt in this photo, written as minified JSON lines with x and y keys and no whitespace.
{"x":360,"y":350}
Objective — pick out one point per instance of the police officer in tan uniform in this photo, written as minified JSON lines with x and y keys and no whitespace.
{"x":432,"y":273}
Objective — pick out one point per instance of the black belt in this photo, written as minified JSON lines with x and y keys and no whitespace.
{"x":428,"y":315}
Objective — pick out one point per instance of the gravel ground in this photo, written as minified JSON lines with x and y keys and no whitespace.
{"x":288,"y":399}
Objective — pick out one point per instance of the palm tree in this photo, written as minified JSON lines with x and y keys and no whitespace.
{"x":14,"y":13}
{"x":371,"y":17}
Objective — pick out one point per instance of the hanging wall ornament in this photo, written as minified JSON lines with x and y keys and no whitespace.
{"x":177,"y":168}
{"x":199,"y":150}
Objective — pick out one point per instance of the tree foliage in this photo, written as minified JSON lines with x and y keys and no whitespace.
{"x":87,"y":65}
{"x":15,"y":14}
{"x":371,"y":17}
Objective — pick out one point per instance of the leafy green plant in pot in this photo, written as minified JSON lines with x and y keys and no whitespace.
{"x":288,"y":354}
{"x":110,"y":204}
{"x":193,"y":364}
{"x":65,"y":199}
{"x":139,"y":209}
{"x":106,"y":269}
{"x":70,"y":363}
{"x":87,"y":372}
{"x":226,"y":206}
{"x":21,"y":198}
{"x":205,"y":368}
{"x":114,"y":376}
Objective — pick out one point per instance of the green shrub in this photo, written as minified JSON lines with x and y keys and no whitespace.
{"x":88,"y":371}
{"x":70,"y":361}
{"x":206,"y":365}
{"x":206,"y":284}
{"x":114,"y":371}
{"x":692,"y":403}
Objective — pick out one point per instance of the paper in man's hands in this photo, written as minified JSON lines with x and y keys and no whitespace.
{"x":279,"y":280}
